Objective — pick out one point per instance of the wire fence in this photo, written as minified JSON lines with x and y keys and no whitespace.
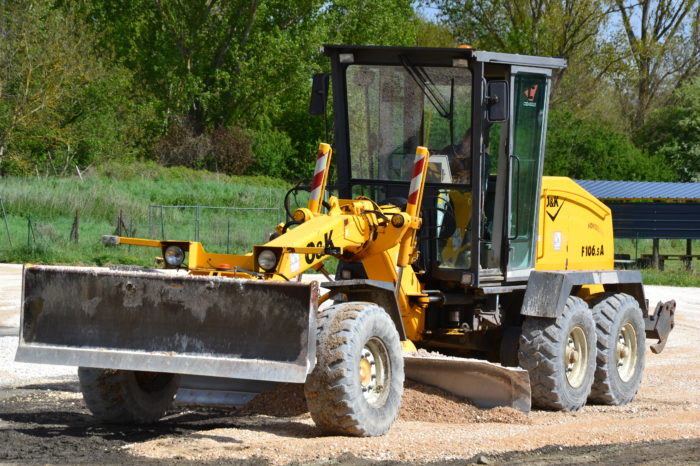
{"x":219,"y":229}
{"x":232,"y":230}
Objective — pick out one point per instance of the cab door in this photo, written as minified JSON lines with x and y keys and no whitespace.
{"x":528,"y":126}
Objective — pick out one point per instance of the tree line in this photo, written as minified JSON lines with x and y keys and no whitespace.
{"x":223,"y":85}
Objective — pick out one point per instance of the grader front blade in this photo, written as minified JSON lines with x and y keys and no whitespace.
{"x":161,"y":322}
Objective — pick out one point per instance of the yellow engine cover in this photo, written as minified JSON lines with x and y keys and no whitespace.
{"x":575,"y":228}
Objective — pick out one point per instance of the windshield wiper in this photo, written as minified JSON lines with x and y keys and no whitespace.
{"x":430,"y":90}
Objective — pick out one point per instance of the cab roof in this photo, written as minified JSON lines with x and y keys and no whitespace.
{"x":375,"y":54}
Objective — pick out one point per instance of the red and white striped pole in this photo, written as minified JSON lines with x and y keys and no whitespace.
{"x":415,"y":192}
{"x":415,"y":198}
{"x":318,"y":185}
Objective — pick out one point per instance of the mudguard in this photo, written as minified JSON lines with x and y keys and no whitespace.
{"x":155,"y":321}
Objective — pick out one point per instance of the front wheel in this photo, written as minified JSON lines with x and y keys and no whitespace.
{"x":356,"y":386}
{"x":559,"y":355}
{"x":127,"y":397}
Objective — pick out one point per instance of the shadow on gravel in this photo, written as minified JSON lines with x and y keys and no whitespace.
{"x":72,"y":387}
{"x":39,"y":426}
{"x":49,"y":424}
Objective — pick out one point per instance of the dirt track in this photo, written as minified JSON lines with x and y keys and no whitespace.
{"x":47,"y":422}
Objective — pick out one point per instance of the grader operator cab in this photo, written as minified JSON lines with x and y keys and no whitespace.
{"x":448,"y":238}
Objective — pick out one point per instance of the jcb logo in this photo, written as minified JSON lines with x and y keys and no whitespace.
{"x":326,"y":244}
{"x":553,"y":202}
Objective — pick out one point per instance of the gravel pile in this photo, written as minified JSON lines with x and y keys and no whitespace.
{"x":420,"y":403}
{"x":424,"y":403}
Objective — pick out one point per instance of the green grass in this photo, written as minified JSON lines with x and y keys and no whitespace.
{"x":106,"y":192}
{"x":674,"y":273}
{"x":671,"y":277}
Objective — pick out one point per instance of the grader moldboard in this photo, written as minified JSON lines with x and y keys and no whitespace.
{"x":448,"y":237}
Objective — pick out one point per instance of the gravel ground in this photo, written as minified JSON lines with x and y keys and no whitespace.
{"x":10,"y":293}
{"x":13,"y":374}
{"x":43,"y":419}
{"x":16,"y":374}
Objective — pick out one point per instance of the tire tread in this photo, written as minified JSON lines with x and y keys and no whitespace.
{"x":538,"y":354}
{"x":604,"y":389}
{"x":328,"y":388}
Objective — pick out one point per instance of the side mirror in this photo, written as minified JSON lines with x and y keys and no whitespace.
{"x":319,"y":94}
{"x":497,"y":101}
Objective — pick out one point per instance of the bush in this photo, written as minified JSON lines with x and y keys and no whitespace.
{"x":273,"y":153}
{"x":232,"y":153}
{"x":223,"y":150}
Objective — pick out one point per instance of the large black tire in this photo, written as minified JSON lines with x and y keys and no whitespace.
{"x":620,"y":354}
{"x":127,"y":397}
{"x":559,"y":355}
{"x":357,"y":384}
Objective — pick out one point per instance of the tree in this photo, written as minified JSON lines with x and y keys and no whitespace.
{"x":214,"y":62}
{"x":673,"y":132}
{"x":378,"y":22}
{"x":663,"y":51}
{"x":561,"y":28}
{"x":432,"y":34}
{"x":590,"y":149}
{"x":59,"y":104}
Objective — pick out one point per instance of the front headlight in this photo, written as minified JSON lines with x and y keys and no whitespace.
{"x":267,"y":260}
{"x":174,"y":255}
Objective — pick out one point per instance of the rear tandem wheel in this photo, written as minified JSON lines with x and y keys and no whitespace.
{"x":127,"y":397}
{"x":620,"y":356}
{"x":559,"y":355}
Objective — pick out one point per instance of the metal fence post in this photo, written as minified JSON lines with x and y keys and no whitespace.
{"x":196,"y":223}
{"x":151,"y":233}
{"x":162,"y":224}
{"x":131,"y":231}
{"x":31,"y":238}
{"x":7,"y":227}
{"x":228,"y":236}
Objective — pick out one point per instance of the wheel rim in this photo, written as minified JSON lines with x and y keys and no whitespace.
{"x":374,"y":372}
{"x":626,"y":352}
{"x":576,"y":357}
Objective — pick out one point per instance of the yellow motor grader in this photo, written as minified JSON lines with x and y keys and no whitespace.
{"x":449,"y":241}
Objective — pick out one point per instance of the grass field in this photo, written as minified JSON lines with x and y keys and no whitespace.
{"x":50,"y":204}
{"x":674,"y":273}
{"x":104,"y":193}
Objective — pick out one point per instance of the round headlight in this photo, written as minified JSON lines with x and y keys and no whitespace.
{"x":267,"y":260}
{"x":174,"y":255}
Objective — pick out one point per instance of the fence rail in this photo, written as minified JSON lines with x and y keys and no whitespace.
{"x":243,"y":226}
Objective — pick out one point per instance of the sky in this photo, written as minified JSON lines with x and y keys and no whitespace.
{"x":429,"y":12}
